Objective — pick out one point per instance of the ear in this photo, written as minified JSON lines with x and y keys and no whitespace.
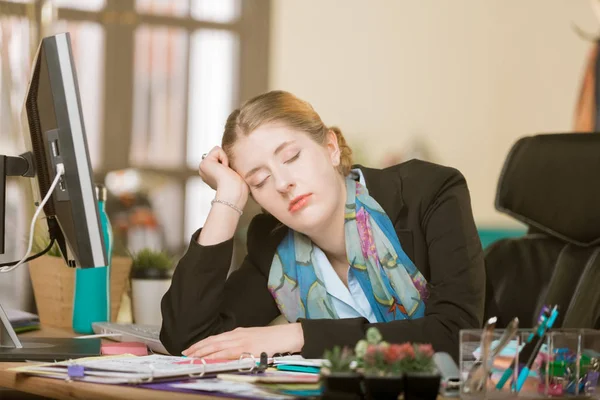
{"x":333,"y":148}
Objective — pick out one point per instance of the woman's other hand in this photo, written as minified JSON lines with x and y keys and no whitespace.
{"x":268,"y":339}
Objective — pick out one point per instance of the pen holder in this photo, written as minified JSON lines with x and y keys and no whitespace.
{"x":478,"y":380}
{"x":566,"y":365}
{"x":571,"y":366}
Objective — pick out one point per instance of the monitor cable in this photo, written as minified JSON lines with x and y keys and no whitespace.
{"x":7,"y":267}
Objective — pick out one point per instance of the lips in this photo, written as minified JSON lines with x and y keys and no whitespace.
{"x":299,"y":202}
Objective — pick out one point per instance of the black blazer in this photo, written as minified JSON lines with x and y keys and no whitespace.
{"x":430,"y":208}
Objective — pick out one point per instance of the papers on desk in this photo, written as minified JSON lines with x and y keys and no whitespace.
{"x":183,"y":374}
{"x":133,"y":369}
{"x":271,"y":377}
{"x":298,"y":360}
{"x":239,"y":389}
{"x":22,"y":321}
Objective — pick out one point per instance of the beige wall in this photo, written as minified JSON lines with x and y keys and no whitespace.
{"x":469,"y":76}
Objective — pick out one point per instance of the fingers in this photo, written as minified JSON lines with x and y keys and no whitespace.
{"x":222,"y":157}
{"x":210,"y":342}
{"x":216,"y":154}
{"x":227,"y":353}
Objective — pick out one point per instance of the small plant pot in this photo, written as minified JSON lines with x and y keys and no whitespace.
{"x":421,"y":385}
{"x":342,"y":385}
{"x":383,"y":387}
{"x":148,"y":286}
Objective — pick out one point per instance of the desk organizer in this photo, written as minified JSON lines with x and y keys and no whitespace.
{"x":567,"y":365}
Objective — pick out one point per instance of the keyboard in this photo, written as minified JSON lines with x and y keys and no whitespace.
{"x":146,"y":334}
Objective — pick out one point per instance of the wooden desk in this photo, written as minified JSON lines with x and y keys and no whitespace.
{"x":59,"y":389}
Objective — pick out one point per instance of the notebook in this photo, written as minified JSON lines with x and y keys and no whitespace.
{"x":133,"y":369}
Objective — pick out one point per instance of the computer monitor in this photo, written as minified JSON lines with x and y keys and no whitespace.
{"x":54,"y":133}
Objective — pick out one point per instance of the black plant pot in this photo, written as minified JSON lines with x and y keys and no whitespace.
{"x":342,"y":386}
{"x":421,"y":386}
{"x":383,"y":387}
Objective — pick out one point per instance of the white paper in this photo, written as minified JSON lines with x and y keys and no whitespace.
{"x":299,"y":360}
{"x":240,"y":389}
{"x":18,"y":315}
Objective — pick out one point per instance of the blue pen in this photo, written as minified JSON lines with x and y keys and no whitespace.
{"x":525,"y":371}
{"x":539,"y":329}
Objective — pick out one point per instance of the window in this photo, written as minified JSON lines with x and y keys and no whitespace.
{"x":87,"y":5}
{"x":213,"y":90}
{"x":15,"y":63}
{"x":87,"y":43}
{"x":157,"y":80}
{"x":216,"y":10}
{"x":160,"y":87}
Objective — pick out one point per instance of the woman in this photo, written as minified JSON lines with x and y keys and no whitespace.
{"x":337,"y":251}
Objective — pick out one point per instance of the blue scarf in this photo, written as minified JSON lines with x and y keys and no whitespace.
{"x":395,"y":288}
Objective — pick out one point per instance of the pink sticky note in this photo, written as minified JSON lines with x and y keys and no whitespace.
{"x":135,"y":348}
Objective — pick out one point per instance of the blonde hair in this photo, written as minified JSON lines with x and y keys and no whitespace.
{"x":284,"y":107}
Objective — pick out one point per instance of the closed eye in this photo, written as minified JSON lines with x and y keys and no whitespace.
{"x":262,"y":183}
{"x":293,"y":158}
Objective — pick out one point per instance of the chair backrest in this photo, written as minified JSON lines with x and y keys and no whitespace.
{"x":552,"y":184}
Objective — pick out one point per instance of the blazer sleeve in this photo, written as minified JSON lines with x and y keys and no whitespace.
{"x":202,"y":301}
{"x":456,"y":285}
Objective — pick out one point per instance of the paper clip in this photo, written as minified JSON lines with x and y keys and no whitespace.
{"x":201,"y":374}
{"x":244,"y":356}
{"x":71,"y":371}
{"x":74,"y":371}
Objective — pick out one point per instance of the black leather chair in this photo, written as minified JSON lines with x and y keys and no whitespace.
{"x":551,"y":183}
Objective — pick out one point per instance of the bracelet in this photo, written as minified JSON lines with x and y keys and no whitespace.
{"x":227,"y":204}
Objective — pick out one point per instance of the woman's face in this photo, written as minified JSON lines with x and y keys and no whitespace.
{"x":290,"y":175}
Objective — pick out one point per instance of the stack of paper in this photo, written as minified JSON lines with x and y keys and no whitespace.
{"x":132,"y":369}
{"x":23,"y":321}
{"x":186,"y":374}
{"x":298,"y":360}
{"x":238,"y":389}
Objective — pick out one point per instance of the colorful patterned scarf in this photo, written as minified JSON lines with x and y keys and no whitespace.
{"x":395,"y":288}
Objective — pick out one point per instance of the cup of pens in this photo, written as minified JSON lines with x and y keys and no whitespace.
{"x":535,"y":363}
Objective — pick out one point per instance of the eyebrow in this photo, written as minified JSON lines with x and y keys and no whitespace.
{"x":277,"y":151}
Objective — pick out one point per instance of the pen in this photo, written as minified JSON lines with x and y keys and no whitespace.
{"x":529,"y":345}
{"x":524,"y":373}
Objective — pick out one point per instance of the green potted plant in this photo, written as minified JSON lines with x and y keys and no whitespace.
{"x":151,"y":273}
{"x":381,"y":365}
{"x":340,"y":379}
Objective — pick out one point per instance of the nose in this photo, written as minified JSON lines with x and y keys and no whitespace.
{"x":283,"y":182}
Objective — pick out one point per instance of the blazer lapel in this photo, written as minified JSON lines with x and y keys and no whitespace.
{"x":386,"y":188}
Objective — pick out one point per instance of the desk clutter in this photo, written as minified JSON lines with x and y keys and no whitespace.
{"x":23,"y":321}
{"x":244,"y":378}
{"x":541,"y":362}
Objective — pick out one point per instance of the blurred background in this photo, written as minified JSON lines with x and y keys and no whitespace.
{"x":456,"y":83}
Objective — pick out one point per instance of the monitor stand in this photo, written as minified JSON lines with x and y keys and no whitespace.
{"x":32,"y":348}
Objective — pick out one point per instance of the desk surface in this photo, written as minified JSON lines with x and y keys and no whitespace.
{"x":59,"y":389}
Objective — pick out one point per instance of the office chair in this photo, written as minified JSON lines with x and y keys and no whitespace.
{"x":551,"y":183}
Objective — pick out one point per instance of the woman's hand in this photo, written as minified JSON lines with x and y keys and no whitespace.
{"x":268,"y":339}
{"x":215,"y":171}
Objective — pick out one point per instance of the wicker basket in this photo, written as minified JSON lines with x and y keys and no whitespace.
{"x":53,"y":284}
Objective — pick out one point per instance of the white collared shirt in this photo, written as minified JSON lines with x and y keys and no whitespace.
{"x":351,"y":301}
